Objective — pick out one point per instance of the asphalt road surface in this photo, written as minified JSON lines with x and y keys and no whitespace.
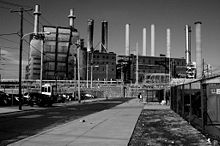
{"x":17,"y":126}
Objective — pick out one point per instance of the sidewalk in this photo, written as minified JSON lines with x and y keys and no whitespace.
{"x":159,"y":125}
{"x":109,"y":127}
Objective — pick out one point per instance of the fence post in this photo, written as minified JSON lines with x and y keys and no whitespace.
{"x":190,"y":102}
{"x":203,"y":104}
{"x":177,"y":100}
{"x":183,"y":101}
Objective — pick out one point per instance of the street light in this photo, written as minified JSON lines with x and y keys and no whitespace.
{"x":78,"y":69}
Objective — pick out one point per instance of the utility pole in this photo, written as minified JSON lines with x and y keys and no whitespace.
{"x":78,"y":68}
{"x":21,"y":12}
{"x":136,"y":64}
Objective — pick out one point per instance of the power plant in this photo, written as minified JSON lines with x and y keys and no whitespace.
{"x":60,"y":51}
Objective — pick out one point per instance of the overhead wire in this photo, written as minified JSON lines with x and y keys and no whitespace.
{"x":8,"y":40}
{"x":14,"y":4}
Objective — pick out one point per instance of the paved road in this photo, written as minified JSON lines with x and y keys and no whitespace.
{"x":18,"y":126}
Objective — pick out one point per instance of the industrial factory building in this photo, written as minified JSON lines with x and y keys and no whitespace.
{"x":59,"y":51}
{"x":148,"y":65}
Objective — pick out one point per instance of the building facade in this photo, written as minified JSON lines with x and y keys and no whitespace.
{"x":103,"y":66}
{"x":126,"y":68}
{"x":59,"y":54}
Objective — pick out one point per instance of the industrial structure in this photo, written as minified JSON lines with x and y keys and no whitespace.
{"x":58,"y":50}
{"x":54,"y":56}
{"x":126,"y":67}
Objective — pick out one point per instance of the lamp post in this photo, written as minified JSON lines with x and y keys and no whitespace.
{"x":78,"y":71}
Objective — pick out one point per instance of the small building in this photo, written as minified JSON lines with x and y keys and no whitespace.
{"x":103,"y":66}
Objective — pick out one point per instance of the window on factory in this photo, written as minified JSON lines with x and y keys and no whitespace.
{"x":112,"y":69}
{"x":36,"y":68}
{"x":103,"y":57}
{"x":106,"y":57}
{"x":36,"y":63}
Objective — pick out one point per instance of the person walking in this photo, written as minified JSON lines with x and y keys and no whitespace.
{"x":140,"y":97}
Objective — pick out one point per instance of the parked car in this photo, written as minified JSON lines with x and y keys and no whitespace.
{"x":38,"y":99}
{"x":4,"y":98}
{"x":13,"y":99}
{"x":84,"y":96}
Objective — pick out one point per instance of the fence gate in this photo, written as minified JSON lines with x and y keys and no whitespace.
{"x":149,"y":95}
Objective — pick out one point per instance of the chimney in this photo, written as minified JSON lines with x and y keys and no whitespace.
{"x":71,"y":18}
{"x":152,"y":40}
{"x":168,"y":43}
{"x":188,"y":44}
{"x":199,"y":62}
{"x":104,"y":37}
{"x":127,"y":40}
{"x":144,"y":42}
{"x":90,"y":35}
{"x":36,"y":19}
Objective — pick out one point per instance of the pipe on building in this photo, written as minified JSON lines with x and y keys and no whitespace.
{"x":144,"y":42}
{"x":152,"y":40}
{"x":199,"y":63}
{"x":168,"y":42}
{"x":127,"y":40}
{"x":71,"y":18}
{"x":90,"y":35}
{"x":36,"y":19}
{"x":104,"y":37}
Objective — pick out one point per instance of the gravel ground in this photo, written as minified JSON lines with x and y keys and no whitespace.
{"x":163,"y":127}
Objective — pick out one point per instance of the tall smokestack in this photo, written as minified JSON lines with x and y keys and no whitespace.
{"x":90,"y":35}
{"x":152,"y":40}
{"x":71,"y":18}
{"x":104,"y":40}
{"x":127,"y":40}
{"x":188,"y":44}
{"x":168,"y":43}
{"x":199,"y":66}
{"x":144,"y":42}
{"x":36,"y":19}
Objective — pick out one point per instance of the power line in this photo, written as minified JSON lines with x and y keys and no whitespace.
{"x":29,"y":21}
{"x":5,"y":8}
{"x":43,"y":18}
{"x":8,"y":40}
{"x":8,"y":47}
{"x":14,"y":4}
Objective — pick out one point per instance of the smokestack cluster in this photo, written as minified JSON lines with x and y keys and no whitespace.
{"x":144,"y":42}
{"x":71,"y":18}
{"x":90,"y":35}
{"x":104,"y":37}
{"x":188,"y":44}
{"x":127,"y":40}
{"x":199,"y":66}
{"x":152,"y":40}
{"x":168,"y":43}
{"x":36,"y":19}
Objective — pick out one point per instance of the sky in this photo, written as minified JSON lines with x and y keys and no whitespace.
{"x":173,"y":14}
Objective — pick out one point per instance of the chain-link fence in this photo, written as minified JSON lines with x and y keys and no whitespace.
{"x":199,"y":103}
